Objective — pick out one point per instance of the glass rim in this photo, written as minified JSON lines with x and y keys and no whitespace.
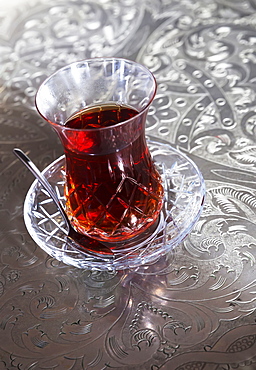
{"x":128,"y":61}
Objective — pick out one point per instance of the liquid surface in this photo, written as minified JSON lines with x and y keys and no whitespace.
{"x":101,"y":116}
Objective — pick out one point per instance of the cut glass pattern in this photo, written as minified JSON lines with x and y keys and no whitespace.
{"x":183,"y":202}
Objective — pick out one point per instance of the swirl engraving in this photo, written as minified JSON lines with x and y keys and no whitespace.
{"x":193,"y":308}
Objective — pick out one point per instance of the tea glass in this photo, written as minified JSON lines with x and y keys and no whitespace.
{"x":112,"y":188}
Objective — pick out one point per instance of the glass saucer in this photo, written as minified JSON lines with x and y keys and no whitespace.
{"x":183,"y":203}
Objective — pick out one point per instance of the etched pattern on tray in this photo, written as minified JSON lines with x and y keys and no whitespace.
{"x":202,"y":303}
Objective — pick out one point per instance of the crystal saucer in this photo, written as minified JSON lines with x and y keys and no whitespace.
{"x":183,"y":202}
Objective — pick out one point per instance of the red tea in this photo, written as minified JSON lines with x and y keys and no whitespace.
{"x":113,"y":191}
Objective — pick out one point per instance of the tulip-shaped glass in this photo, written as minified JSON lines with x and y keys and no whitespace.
{"x":98,"y":108}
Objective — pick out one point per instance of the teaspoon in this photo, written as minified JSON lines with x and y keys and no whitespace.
{"x":85,"y":242}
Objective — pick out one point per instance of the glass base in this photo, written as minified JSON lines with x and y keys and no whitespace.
{"x":183,"y":202}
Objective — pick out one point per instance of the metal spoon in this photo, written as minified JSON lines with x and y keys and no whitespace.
{"x":85,"y":243}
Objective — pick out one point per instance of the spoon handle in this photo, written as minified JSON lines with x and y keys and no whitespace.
{"x":40,"y":177}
